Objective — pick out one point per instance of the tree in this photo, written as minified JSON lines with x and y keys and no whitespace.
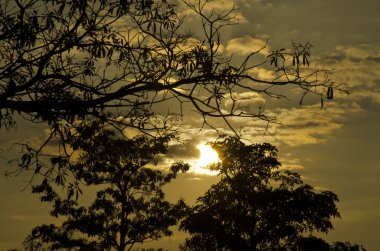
{"x":116,"y":59}
{"x":256,"y":205}
{"x":71,"y":63}
{"x":129,"y":207}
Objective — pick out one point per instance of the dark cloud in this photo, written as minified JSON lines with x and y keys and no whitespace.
{"x":355,"y":59}
{"x":374,"y":59}
{"x":184,"y":150}
{"x":334,"y":58}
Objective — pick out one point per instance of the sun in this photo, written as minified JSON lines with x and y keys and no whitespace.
{"x":208,"y":155}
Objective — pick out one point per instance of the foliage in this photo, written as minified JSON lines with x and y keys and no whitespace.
{"x":129,"y":206}
{"x":69,"y":60}
{"x":256,"y":205}
{"x":311,"y":243}
{"x":72,"y":63}
{"x":346,"y":246}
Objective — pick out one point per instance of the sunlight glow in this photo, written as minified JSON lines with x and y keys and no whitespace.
{"x":199,"y":166}
{"x":208,"y":155}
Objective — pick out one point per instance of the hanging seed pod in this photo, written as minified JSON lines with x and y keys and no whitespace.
{"x":330,"y":93}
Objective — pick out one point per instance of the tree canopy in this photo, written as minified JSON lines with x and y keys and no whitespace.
{"x":256,"y":205}
{"x":129,"y":206}
{"x":118,"y":62}
{"x":116,"y":59}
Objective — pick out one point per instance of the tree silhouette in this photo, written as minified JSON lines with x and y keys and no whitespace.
{"x":116,"y":59}
{"x":129,"y":207}
{"x":72,"y":63}
{"x":257,"y":206}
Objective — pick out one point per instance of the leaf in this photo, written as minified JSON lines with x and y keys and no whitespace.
{"x":26,"y":159}
{"x":78,"y":191}
{"x":70,"y":192}
{"x":58,"y":179}
{"x":110,"y":53}
{"x":38,"y":168}
{"x":102,"y":51}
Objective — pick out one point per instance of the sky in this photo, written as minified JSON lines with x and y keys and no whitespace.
{"x":334,"y":148}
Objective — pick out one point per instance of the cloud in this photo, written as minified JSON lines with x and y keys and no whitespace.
{"x":367,"y":99}
{"x":310,"y":124}
{"x":184,"y":151}
{"x":212,"y":8}
{"x":303,"y":126}
{"x":220,"y":5}
{"x":358,"y":52}
{"x":374,"y":58}
{"x":362,"y":52}
{"x":225,"y":6}
{"x":262,"y":73}
{"x":257,"y":3}
{"x":357,"y":66}
{"x":244,"y":99}
{"x":288,"y":162}
{"x":298,"y":126}
{"x":247,"y":45}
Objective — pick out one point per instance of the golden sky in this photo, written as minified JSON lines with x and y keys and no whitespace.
{"x":335,"y":148}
